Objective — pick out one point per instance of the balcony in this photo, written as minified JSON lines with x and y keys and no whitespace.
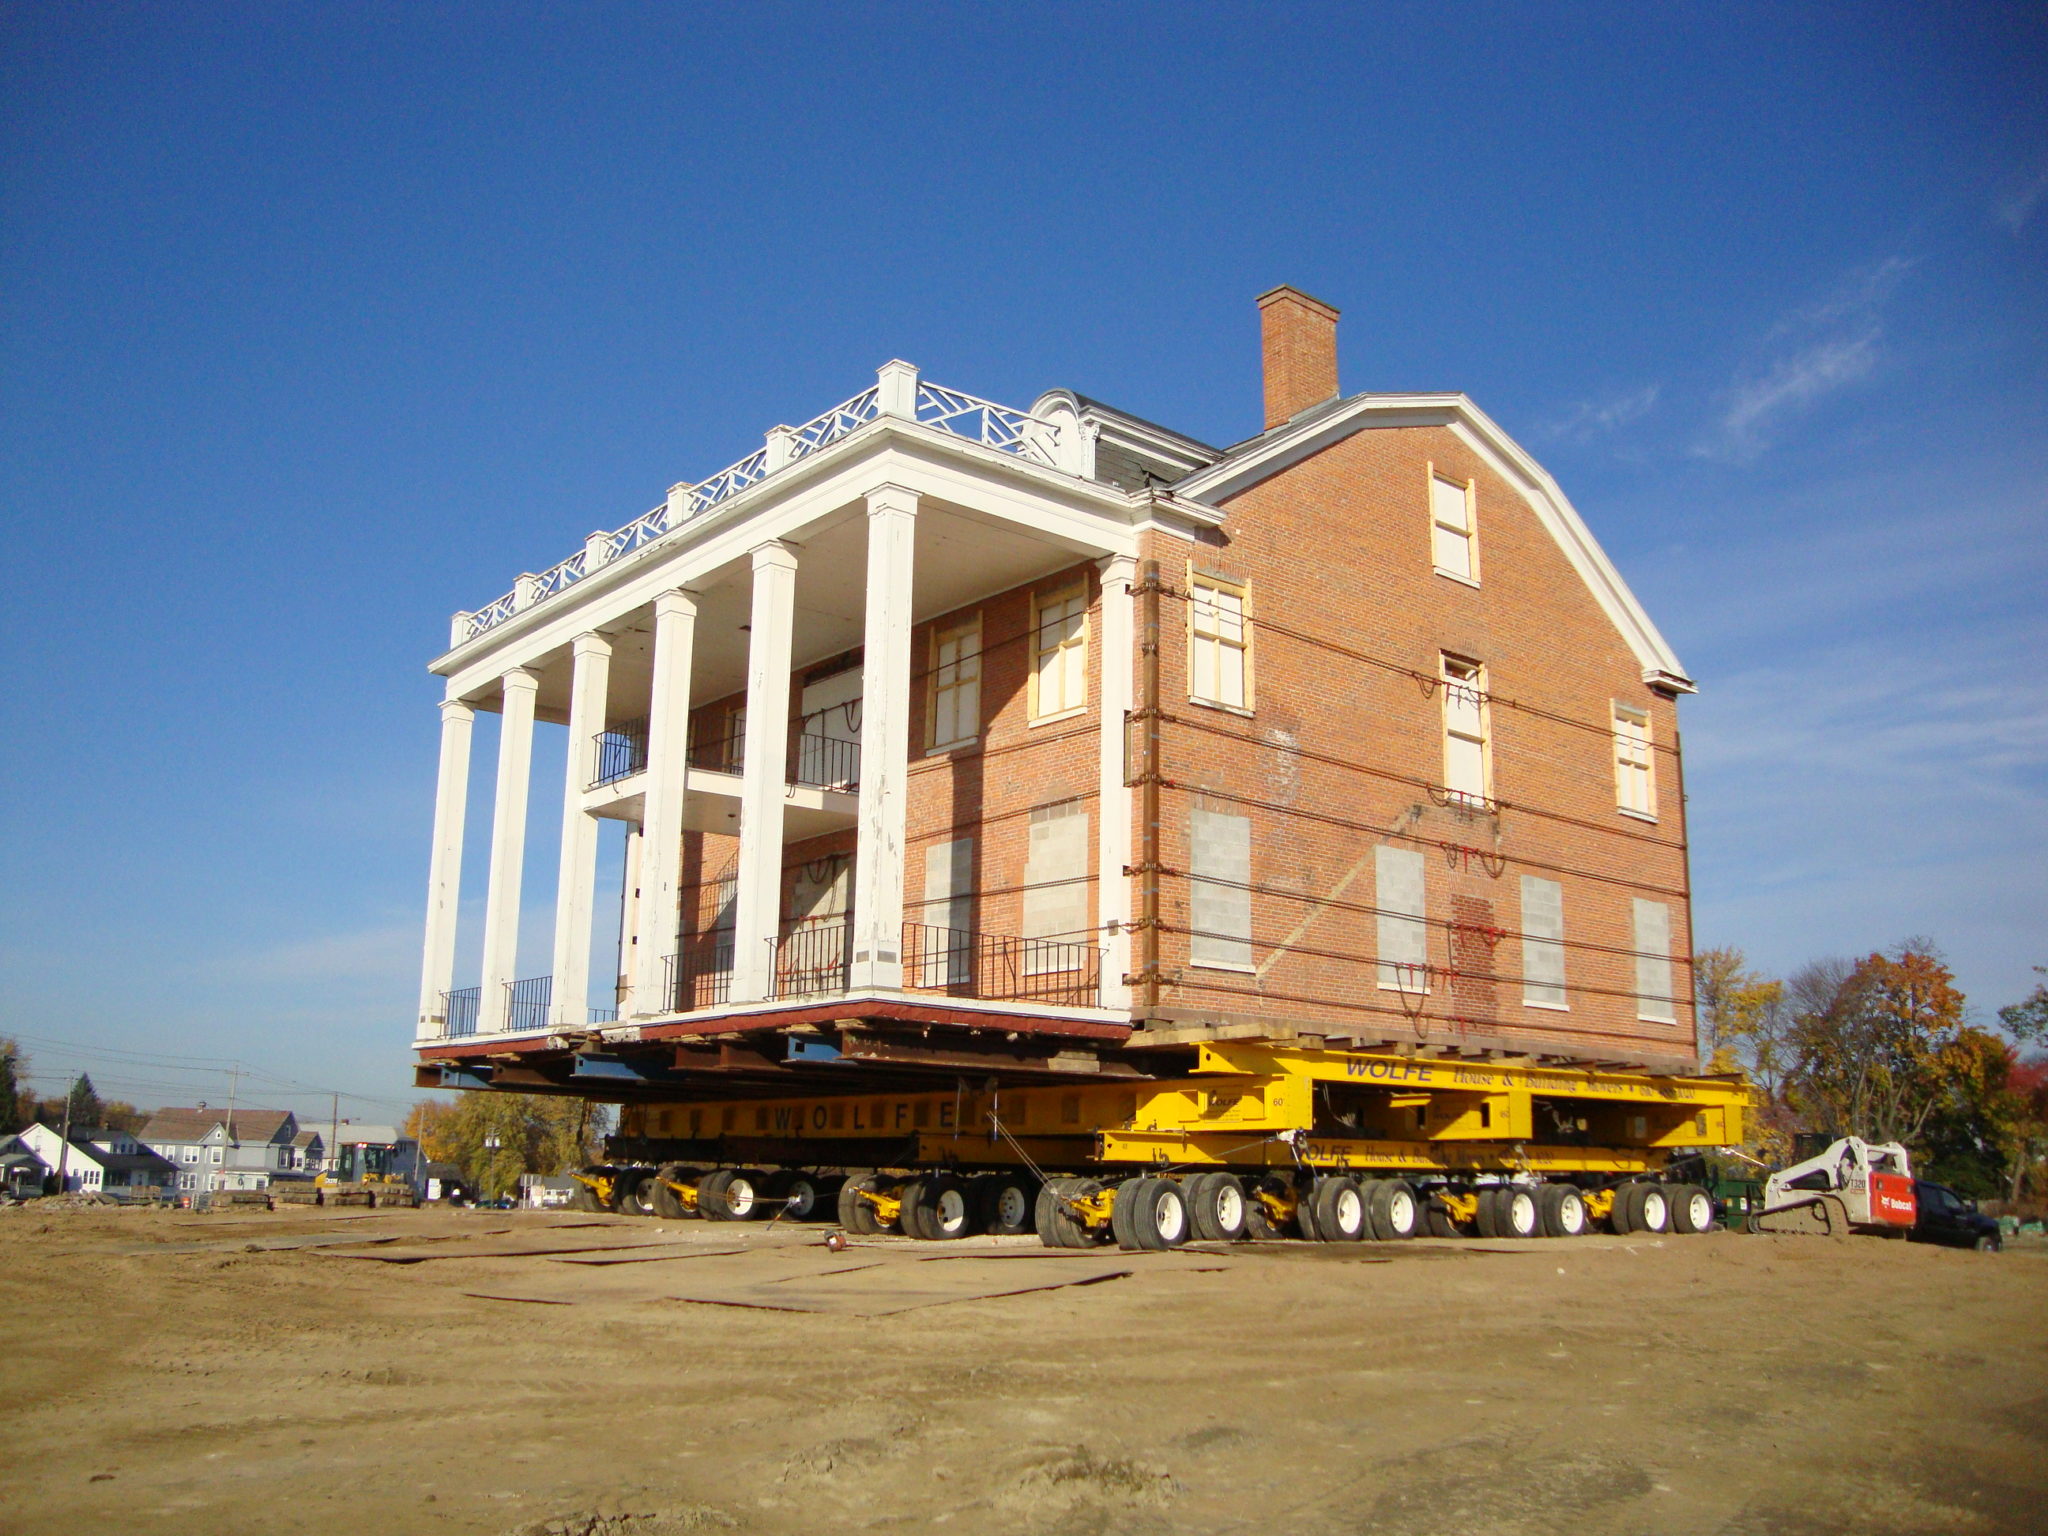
{"x":816,"y":759}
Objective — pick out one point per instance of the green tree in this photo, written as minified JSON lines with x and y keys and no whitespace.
{"x":494,"y":1137}
{"x":1980,"y":1129}
{"x":16,"y":1100}
{"x":1872,"y":1043}
{"x":84,"y":1106}
{"x":2027,"y":1020}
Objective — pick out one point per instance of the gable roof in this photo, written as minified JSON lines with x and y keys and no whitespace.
{"x":198,"y":1124}
{"x":1279,"y":448}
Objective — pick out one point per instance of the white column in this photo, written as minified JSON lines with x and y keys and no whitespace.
{"x":1113,"y":836}
{"x":576,"y":884}
{"x":629,"y":924}
{"x":658,"y":914}
{"x":508,"y":847}
{"x":757,"y":904}
{"x":884,"y":741}
{"x":444,"y":871}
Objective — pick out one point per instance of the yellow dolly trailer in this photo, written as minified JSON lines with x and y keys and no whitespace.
{"x":1259,"y":1140}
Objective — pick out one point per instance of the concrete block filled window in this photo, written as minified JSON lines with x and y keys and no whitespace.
{"x":1467,"y":766}
{"x":1542,"y":943}
{"x":947,"y":955}
{"x":1453,"y":540}
{"x":1654,"y":1001}
{"x":1219,"y":642}
{"x":1219,"y":898}
{"x":1635,"y":778}
{"x":1401,"y":899}
{"x":956,"y":685}
{"x":1055,"y":885}
{"x":1059,"y":674}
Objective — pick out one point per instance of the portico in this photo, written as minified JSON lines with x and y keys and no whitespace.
{"x":798,"y":576}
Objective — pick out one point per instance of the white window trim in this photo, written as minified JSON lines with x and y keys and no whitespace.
{"x":1477,"y":684}
{"x":940,"y":633}
{"x":1242,"y":590}
{"x":1617,"y":712}
{"x":1039,"y":602}
{"x":1470,"y":532}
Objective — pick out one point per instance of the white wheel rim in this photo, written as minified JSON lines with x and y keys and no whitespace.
{"x":1229,"y":1206}
{"x":952,"y":1210}
{"x":1655,"y":1210}
{"x":1702,"y":1210}
{"x":739,"y":1197}
{"x":1571,"y":1215}
{"x":1521,"y":1213}
{"x":1170,"y":1214}
{"x":1350,"y":1212}
{"x":1401,"y":1211}
{"x":802,"y":1196}
{"x":1010,"y":1207}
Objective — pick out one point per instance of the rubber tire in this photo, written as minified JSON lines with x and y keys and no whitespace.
{"x":639,"y":1199}
{"x":1487,"y":1223}
{"x":1553,"y":1202}
{"x":1652,"y":1209}
{"x":753,"y":1184}
{"x":1394,"y":1210}
{"x":1438,"y":1221}
{"x":584,"y":1198}
{"x":1305,"y":1213}
{"x":1120,"y":1213}
{"x":1342,"y":1215}
{"x":1016,"y":1191}
{"x":911,"y":1217}
{"x":1258,"y":1226}
{"x":1216,"y":1207}
{"x":1986,"y":1243}
{"x":667,"y":1205}
{"x":1045,"y":1216}
{"x":939,"y":1223}
{"x":803,"y":1197}
{"x":1620,"y":1215}
{"x":1692,"y":1210}
{"x":1155,"y":1214}
{"x":711,"y":1194}
{"x":1083,"y":1237}
{"x":1515,"y":1212}
{"x":855,"y":1214}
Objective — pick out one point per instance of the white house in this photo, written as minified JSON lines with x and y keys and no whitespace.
{"x":98,"y":1161}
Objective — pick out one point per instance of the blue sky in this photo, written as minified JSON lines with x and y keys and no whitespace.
{"x":318,"y":322}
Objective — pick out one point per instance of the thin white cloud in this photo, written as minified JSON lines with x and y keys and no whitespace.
{"x":1815,"y":350}
{"x":2016,"y":207}
{"x":1590,"y":418}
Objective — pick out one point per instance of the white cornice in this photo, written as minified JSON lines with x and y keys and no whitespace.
{"x":1290,"y":445}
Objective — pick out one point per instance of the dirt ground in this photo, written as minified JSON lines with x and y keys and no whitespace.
{"x":270,"y":1373}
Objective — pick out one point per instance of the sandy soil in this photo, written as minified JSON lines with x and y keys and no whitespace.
{"x":169,"y":1373}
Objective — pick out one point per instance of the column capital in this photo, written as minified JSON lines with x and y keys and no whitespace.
{"x":457,"y":709}
{"x":524,"y":678}
{"x":1118,"y":567}
{"x":592,"y":643}
{"x":885,"y":500}
{"x":677,"y":602}
{"x":896,"y":389}
{"x":773,"y":554}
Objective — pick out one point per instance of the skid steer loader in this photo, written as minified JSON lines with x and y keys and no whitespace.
{"x":1852,"y":1186}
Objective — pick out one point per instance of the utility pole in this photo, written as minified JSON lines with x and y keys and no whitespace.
{"x":64,"y":1141}
{"x":334,"y":1134}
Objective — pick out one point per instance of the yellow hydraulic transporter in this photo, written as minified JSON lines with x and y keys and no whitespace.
{"x":1258,"y":1140}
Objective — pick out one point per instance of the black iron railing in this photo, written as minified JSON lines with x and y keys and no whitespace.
{"x":1000,"y":967}
{"x":621,"y":752}
{"x":602,"y":1015}
{"x":814,"y":956}
{"x":725,"y":752}
{"x":527,"y":1002}
{"x":700,"y":974}
{"x":824,"y":762}
{"x":459,"y":1011}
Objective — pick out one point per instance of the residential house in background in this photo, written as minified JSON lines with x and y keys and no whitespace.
{"x":99,"y":1160}
{"x":219,"y":1149}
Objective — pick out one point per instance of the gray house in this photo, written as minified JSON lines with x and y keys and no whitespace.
{"x":223,"y":1149}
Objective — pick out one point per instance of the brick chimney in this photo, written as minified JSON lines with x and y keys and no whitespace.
{"x":1298,"y":341}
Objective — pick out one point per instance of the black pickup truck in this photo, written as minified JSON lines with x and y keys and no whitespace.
{"x":1946,"y":1217}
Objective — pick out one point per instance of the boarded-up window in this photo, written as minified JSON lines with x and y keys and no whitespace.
{"x":1218,"y":643}
{"x":956,"y":684}
{"x":1403,"y":935}
{"x":1219,"y":898}
{"x":1450,"y":514}
{"x":1635,"y":783}
{"x":946,"y":951}
{"x":1056,"y":885}
{"x":1059,"y":679}
{"x":1465,"y":766}
{"x":1654,"y":1002}
{"x":1542,"y":943}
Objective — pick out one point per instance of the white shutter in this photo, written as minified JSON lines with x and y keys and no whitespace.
{"x":1404,"y":935}
{"x":1219,"y":906}
{"x":1542,"y":943}
{"x":1653,"y":963}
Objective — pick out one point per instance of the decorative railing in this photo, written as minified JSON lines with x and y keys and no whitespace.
{"x":814,"y":956}
{"x":699,"y":975}
{"x":527,"y":1002}
{"x":825,"y":762}
{"x":998,"y":967}
{"x":621,"y":752}
{"x":899,"y":393}
{"x":459,"y":1010}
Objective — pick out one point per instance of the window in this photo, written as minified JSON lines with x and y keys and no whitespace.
{"x":1404,"y":934}
{"x":216,"y":1154}
{"x":1635,"y":782}
{"x":1465,"y":750}
{"x":1542,"y":943}
{"x":1055,"y":885}
{"x":946,"y":953}
{"x":956,"y":685}
{"x":1219,"y":642}
{"x":1219,"y":901}
{"x":1059,"y":677}
{"x":1654,"y":1003}
{"x":1450,"y":515}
